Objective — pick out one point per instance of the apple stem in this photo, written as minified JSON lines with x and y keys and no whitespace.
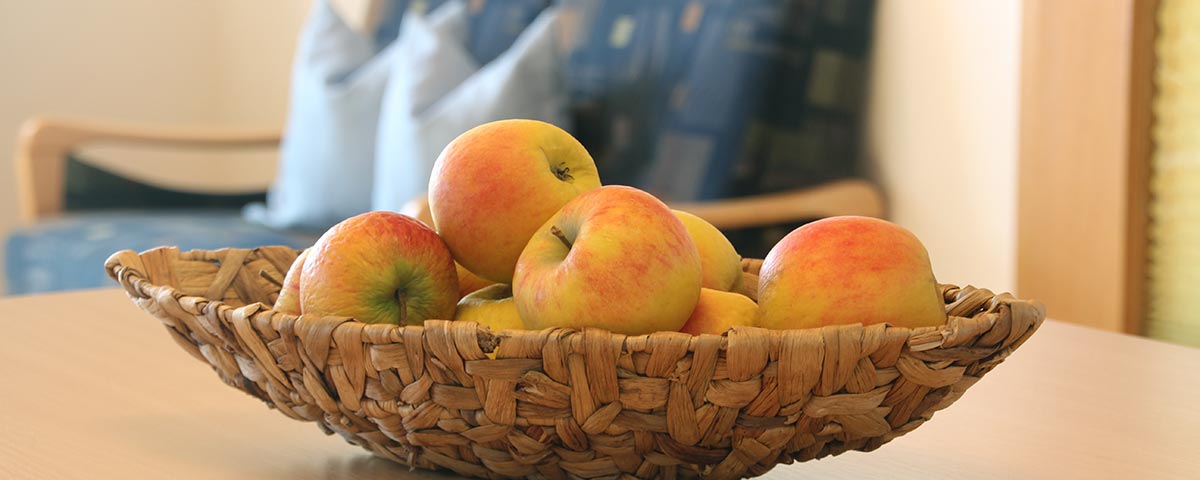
{"x":554,"y":230}
{"x":402,"y":296}
{"x":563,"y":172}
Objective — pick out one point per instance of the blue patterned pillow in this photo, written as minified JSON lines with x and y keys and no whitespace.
{"x":703,"y":99}
{"x":440,"y":90}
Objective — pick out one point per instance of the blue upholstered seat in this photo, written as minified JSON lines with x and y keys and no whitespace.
{"x":68,"y":253}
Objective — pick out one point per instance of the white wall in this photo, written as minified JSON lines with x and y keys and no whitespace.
{"x":178,"y":62}
{"x":943,"y":131}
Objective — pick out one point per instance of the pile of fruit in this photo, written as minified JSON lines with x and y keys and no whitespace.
{"x":521,"y":235}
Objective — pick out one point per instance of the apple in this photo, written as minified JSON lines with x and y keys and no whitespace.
{"x":846,"y":270}
{"x":717,"y":311}
{"x":720,"y":264}
{"x":491,"y":306}
{"x":468,"y":282}
{"x":289,"y":294}
{"x":380,"y":267}
{"x":614,"y":258}
{"x":748,"y":286}
{"x":493,"y":186}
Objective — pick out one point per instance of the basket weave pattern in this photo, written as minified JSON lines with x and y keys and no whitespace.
{"x":561,"y":403}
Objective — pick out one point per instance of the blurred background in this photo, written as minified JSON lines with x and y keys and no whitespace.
{"x":1042,"y":148}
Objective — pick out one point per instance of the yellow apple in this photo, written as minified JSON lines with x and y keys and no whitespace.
{"x":494,"y":185}
{"x":613,"y":258}
{"x":491,"y":306}
{"x":289,"y":293}
{"x":846,"y":270}
{"x":717,"y":311}
{"x":720,"y":264}
{"x":380,"y":267}
{"x":469,"y":282}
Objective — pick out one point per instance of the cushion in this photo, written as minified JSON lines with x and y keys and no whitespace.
{"x":441,"y":92}
{"x":705,"y":99}
{"x":327,"y":154}
{"x":69,"y":253}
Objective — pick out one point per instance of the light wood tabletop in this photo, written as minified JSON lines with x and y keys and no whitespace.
{"x":91,"y":387}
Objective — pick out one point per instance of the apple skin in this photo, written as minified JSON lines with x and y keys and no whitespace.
{"x":380,"y":267}
{"x":718,"y":311}
{"x":748,"y":286}
{"x":468,"y":282}
{"x":289,"y":294}
{"x":847,"y":270}
{"x":491,"y":306}
{"x":720,"y":264}
{"x":494,"y":185}
{"x":631,"y":268}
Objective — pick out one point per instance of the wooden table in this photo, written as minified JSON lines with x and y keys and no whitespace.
{"x":91,"y":387}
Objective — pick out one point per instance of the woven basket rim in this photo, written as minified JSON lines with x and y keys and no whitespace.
{"x":966,"y":303}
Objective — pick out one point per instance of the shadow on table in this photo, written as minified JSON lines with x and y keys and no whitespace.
{"x":218,"y":444}
{"x":361,"y":467}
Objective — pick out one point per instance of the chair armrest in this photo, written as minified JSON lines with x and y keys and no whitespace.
{"x":44,"y":142}
{"x":840,"y":197}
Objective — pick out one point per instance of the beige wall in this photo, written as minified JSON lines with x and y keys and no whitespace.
{"x":180,"y":62}
{"x":943,"y":131}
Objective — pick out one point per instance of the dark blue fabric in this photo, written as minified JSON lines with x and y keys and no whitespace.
{"x":705,"y":99}
{"x":494,"y":24}
{"x":89,"y":188}
{"x":69,"y":253}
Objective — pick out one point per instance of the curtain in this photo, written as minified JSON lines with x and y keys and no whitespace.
{"x":1174,"y":253}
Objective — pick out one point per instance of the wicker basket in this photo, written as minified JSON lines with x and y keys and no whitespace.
{"x":561,"y":403}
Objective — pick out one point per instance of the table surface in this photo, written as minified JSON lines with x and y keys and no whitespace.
{"x":91,"y":387}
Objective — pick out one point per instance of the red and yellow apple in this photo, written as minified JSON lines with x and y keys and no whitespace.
{"x":289,"y":294}
{"x":614,"y":258}
{"x":720,"y":264}
{"x":380,"y":267}
{"x":491,"y":306}
{"x":718,"y":311}
{"x":468,"y":282}
{"x":494,"y":185}
{"x":846,"y":270}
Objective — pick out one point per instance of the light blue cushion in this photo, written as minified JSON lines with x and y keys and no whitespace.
{"x":68,"y":253}
{"x":438,"y":90}
{"x":327,"y":154}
